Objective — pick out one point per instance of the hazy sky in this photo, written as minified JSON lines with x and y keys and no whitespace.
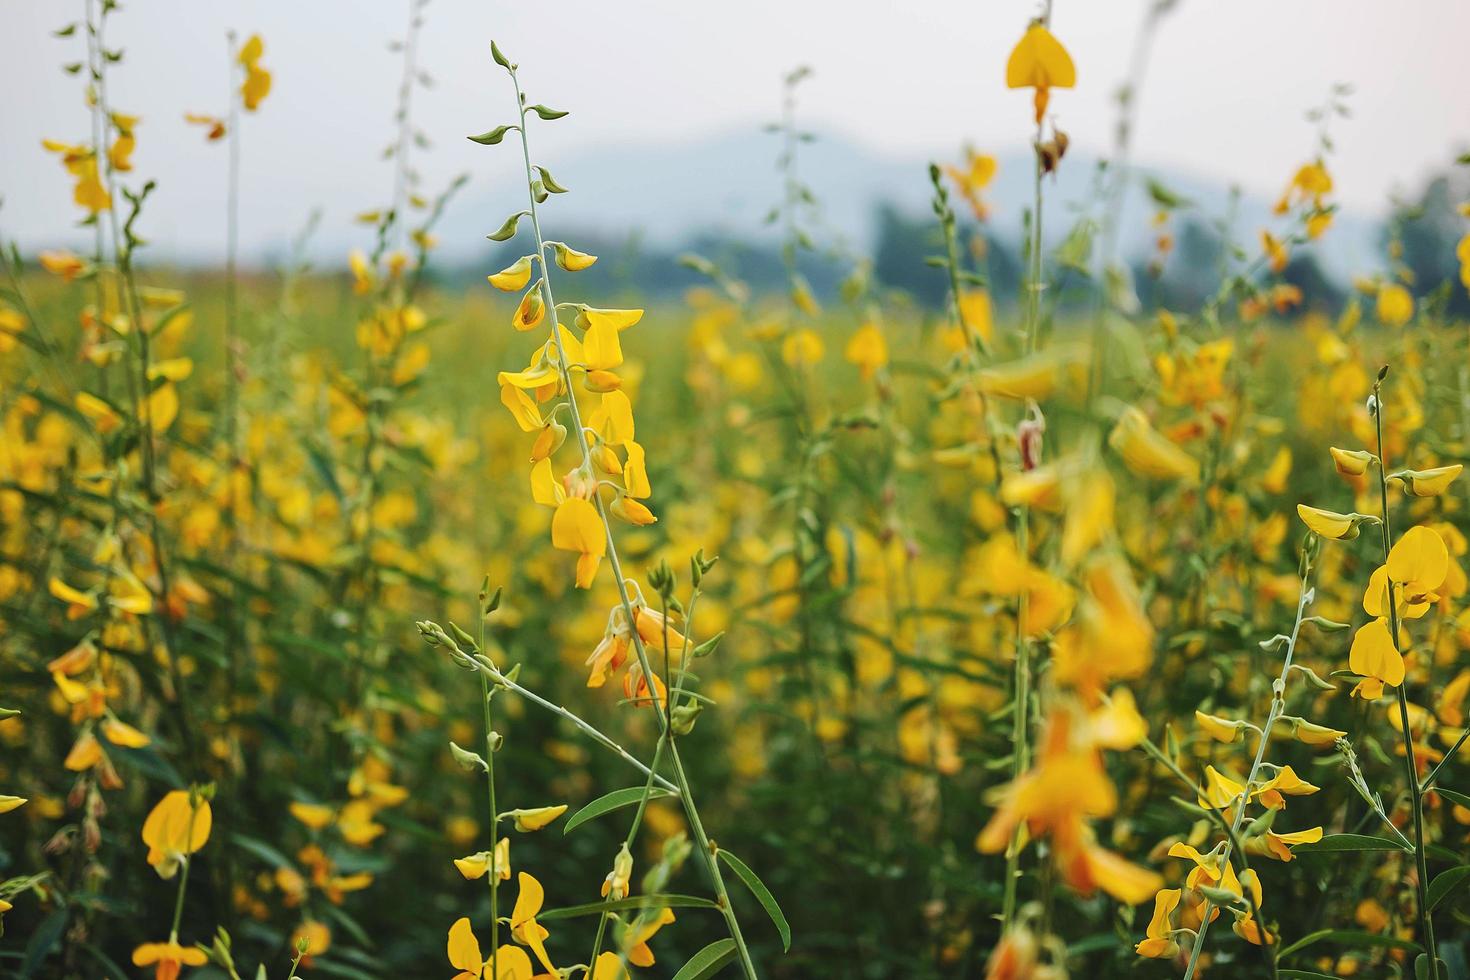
{"x":1227,"y":90}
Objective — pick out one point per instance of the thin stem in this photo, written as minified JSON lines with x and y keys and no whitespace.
{"x":1278,"y":706}
{"x":485,"y":702}
{"x":1428,"y":782}
{"x":1411,"y":772}
{"x":691,"y":812}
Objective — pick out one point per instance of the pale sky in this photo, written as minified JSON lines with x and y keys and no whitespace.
{"x":1228,"y":86}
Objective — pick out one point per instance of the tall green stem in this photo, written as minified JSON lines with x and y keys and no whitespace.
{"x":706,"y":850}
{"x":1411,"y":772}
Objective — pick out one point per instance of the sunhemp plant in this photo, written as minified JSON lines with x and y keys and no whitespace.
{"x":607,"y":481}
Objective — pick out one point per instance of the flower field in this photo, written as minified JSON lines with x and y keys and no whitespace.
{"x":357,"y":622}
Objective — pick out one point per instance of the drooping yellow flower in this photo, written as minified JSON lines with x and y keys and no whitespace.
{"x":514,"y":276}
{"x":531,"y":310}
{"x":478,"y":865}
{"x":1351,"y":462}
{"x":63,"y":264}
{"x":1286,"y":782}
{"x":1374,"y":656}
{"x":576,"y":526}
{"x":1039,"y":62}
{"x":463,"y":950}
{"x":1219,"y":791}
{"x":257,"y":84}
{"x":803,"y":348}
{"x":1159,"y":943}
{"x":1313,"y":734}
{"x":527,"y":821}
{"x":868,"y":350}
{"x":1220,"y":729}
{"x":1417,"y":567}
{"x":1395,"y":305}
{"x":523,"y":925}
{"x":644,"y":928}
{"x":313,"y":815}
{"x":1148,"y":453}
{"x":1278,"y":846}
{"x":168,"y":958}
{"x":177,"y":827}
{"x":1428,"y":483}
{"x":1330,"y":524}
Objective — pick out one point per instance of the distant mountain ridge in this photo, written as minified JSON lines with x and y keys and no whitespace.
{"x":727,"y":183}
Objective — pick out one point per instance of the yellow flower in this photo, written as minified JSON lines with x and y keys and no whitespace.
{"x":168,"y":957}
{"x":1159,"y":944}
{"x":1220,"y":729}
{"x":1148,"y":453}
{"x":178,"y":826}
{"x":1428,"y":483}
{"x":1040,"y":62}
{"x":576,"y":526}
{"x":802,"y":348}
{"x":1351,"y":462}
{"x":8,"y":803}
{"x":513,"y":277}
{"x":362,"y":272}
{"x":63,"y":264}
{"x":1278,"y":846}
{"x":1219,"y":790}
{"x":1418,"y":565}
{"x":1315,"y":735}
{"x":315,"y":935}
{"x":644,"y":928}
{"x":570,"y":259}
{"x":527,"y":821}
{"x":523,"y":925}
{"x":1275,"y":251}
{"x":464,"y":956}
{"x":1330,"y":524}
{"x":1374,"y":656}
{"x":1285,"y":783}
{"x":532,"y":309}
{"x":478,"y":865}
{"x":1395,"y":305}
{"x":868,"y":350}
{"x":615,"y":885}
{"x":257,"y":83}
{"x":124,"y":735}
{"x":314,"y":815}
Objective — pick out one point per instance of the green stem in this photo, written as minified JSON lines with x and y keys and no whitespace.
{"x":1411,"y":773}
{"x":686,"y":797}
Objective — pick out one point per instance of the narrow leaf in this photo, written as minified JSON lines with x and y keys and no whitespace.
{"x":1445,"y":883}
{"x":1334,"y":843}
{"x":708,"y":961}
{"x":615,"y":800}
{"x":763,"y":895}
{"x":655,"y":901}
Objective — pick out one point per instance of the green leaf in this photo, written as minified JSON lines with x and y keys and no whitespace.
{"x":1445,"y":883}
{"x":491,"y":138}
{"x":507,"y":230}
{"x":1335,"y":843}
{"x":615,"y":800}
{"x":762,"y":893}
{"x":66,"y":31}
{"x":546,"y":113}
{"x":1303,"y":975}
{"x":1348,"y":937}
{"x":1421,"y":967}
{"x":500,"y":58}
{"x":655,"y":901}
{"x":708,"y":961}
{"x":1452,"y":796}
{"x":262,"y":850}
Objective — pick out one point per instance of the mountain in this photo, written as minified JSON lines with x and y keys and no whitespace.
{"x":724,"y":186}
